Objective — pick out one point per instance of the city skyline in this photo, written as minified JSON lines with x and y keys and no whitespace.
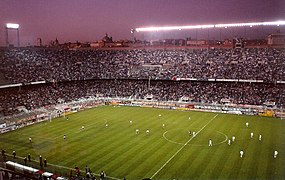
{"x":89,"y":20}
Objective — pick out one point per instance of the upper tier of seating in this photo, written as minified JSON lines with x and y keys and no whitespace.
{"x":27,"y":65}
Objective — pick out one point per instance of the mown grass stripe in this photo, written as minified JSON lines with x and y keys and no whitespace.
{"x":226,"y":151}
{"x":181,"y":148}
{"x":120,"y":153}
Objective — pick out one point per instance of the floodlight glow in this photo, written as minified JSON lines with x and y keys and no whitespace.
{"x":165,"y":28}
{"x":251,"y":24}
{"x":12,"y":26}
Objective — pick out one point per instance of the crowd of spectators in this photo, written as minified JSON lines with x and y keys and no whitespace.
{"x":35,"y":96}
{"x":27,"y":65}
{"x":74,"y":74}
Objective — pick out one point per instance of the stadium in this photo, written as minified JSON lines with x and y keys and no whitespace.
{"x":171,"y":108}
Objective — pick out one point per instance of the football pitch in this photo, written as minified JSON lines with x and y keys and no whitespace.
{"x":168,"y":152}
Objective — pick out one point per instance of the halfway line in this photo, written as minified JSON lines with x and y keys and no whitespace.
{"x":181,"y":149}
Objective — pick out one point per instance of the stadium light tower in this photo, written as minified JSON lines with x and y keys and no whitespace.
{"x":12,"y":26}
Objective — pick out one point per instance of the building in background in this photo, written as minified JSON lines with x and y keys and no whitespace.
{"x":276,"y":40}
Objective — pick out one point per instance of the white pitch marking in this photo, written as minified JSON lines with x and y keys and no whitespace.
{"x":185,"y":144}
{"x":174,"y":142}
{"x":223,"y":140}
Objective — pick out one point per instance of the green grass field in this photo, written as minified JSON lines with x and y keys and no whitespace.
{"x":165,"y":153}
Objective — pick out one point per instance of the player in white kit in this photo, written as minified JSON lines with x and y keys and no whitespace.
{"x":210,"y":143}
{"x":147,"y":131}
{"x":241,"y":153}
{"x":275,"y":154}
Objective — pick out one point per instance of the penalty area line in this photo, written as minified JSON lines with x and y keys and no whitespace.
{"x":185,"y":144}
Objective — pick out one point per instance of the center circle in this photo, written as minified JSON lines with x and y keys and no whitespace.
{"x":181,"y":136}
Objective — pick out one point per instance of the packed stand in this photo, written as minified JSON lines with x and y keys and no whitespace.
{"x":27,"y":65}
{"x":35,"y":96}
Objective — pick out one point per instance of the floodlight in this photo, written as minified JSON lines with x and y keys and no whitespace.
{"x":251,"y":24}
{"x":12,"y":26}
{"x":165,"y":28}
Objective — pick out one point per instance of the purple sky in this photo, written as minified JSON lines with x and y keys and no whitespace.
{"x":89,"y":20}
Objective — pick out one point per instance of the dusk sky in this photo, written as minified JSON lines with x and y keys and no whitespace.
{"x":89,"y":20}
